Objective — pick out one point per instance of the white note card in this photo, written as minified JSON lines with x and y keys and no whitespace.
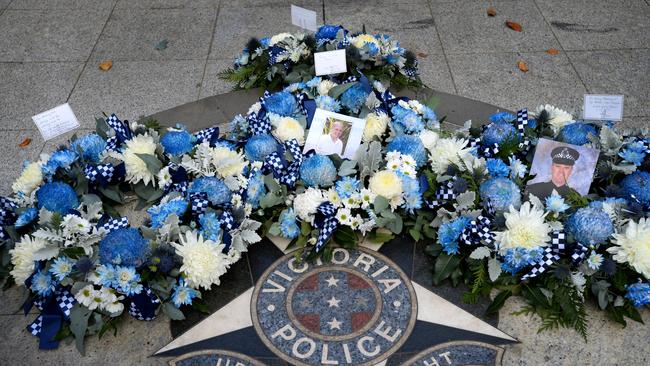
{"x":303,"y":18}
{"x":56,"y":121}
{"x":603,"y":107}
{"x":330,"y":62}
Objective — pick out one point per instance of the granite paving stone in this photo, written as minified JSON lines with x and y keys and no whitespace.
{"x":435,"y":73}
{"x":132,"y":34}
{"x":212,"y":84}
{"x":50,"y":35}
{"x":617,"y":72}
{"x":598,"y":24}
{"x":167,"y":4}
{"x":62,"y":4}
{"x":14,"y":156}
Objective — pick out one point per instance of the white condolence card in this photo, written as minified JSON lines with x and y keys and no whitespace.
{"x":304,"y":18}
{"x":56,"y":121}
{"x":330,"y":62}
{"x":603,"y":107}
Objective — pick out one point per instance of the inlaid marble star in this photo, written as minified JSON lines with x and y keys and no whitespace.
{"x":305,"y":303}
{"x":333,"y":302}
{"x":331,"y":281}
{"x":334,"y":324}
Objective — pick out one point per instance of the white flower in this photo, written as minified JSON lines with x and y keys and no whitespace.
{"x":75,"y":225}
{"x":557,"y":117}
{"x":344,"y":216}
{"x":22,"y":257}
{"x":356,"y":222}
{"x":324,"y":86}
{"x":448,"y":151}
{"x":367,"y":226}
{"x":30,"y":178}
{"x":306,"y":203}
{"x":376,"y":124}
{"x":85,"y":295}
{"x":136,"y":168}
{"x":367,"y":198}
{"x":517,"y":168}
{"x":333,"y":197}
{"x":254,"y":108}
{"x":203,"y":260}
{"x":360,"y":40}
{"x":633,"y":246}
{"x":525,"y":228}
{"x":386,"y":183}
{"x":279,"y":38}
{"x":287,"y":128}
{"x":164,"y":177}
{"x":211,"y":161}
{"x":236,"y":201}
{"x":114,"y":307}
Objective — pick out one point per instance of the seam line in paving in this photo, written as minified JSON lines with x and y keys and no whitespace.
{"x":207,"y":57}
{"x":544,"y":51}
{"x":442,"y":47}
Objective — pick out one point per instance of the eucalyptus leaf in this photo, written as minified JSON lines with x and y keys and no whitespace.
{"x":79,"y":316}
{"x":347,"y":168}
{"x":112,"y":193}
{"x":494,"y":269}
{"x":480,"y":253}
{"x":172,"y":312}
{"x":336,"y":91}
{"x":153,"y":164}
{"x":380,"y":204}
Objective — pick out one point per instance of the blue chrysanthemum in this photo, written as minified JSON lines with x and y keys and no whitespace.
{"x":409,"y":145}
{"x":590,"y":226}
{"x":327,"y":32}
{"x":161,"y":212}
{"x":57,"y":197}
{"x":177,"y":143}
{"x":449,"y":233}
{"x":210,"y":226}
{"x":217,"y":190}
{"x":281,"y":103}
{"x":430,"y":116}
{"x":61,"y":267}
{"x":412,"y":193}
{"x":500,"y":193}
{"x":318,"y":171}
{"x":637,"y":184}
{"x":638,"y":294}
{"x":59,"y":159}
{"x":42,"y":283}
{"x":256,"y":189}
{"x":347,"y":186}
{"x":183,"y":294}
{"x":505,"y":117}
{"x":406,"y":121}
{"x":633,"y":153}
{"x":89,"y":147}
{"x":26,"y":217}
{"x":124,"y":246}
{"x":577,"y":133}
{"x":555,"y":203}
{"x":497,"y":168}
{"x":288,"y":224}
{"x":328,"y":103}
{"x":259,"y":146}
{"x":354,"y":97}
{"x":515,"y":259}
{"x":314,"y":82}
{"x":498,"y":132}
{"x":127,"y":280}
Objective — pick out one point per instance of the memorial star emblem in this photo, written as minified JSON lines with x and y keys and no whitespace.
{"x":368,"y":306}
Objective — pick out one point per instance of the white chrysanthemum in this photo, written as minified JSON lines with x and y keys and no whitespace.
{"x":29,"y":179}
{"x":344,"y":216}
{"x":306,"y":203}
{"x":254,"y":108}
{"x":279,"y":38}
{"x":333,"y":197}
{"x":448,"y":151}
{"x":386,"y":183}
{"x":227,"y":162}
{"x":324,"y":86}
{"x":211,"y":161}
{"x":525,"y":228}
{"x":164,"y":177}
{"x":633,"y":246}
{"x":75,"y":225}
{"x":360,"y":40}
{"x":429,"y":139}
{"x":22,"y":257}
{"x":136,"y":168}
{"x":287,"y":128}
{"x":557,"y":117}
{"x":376,"y":124}
{"x":203,"y":260}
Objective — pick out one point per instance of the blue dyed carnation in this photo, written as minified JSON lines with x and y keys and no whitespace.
{"x":281,"y":103}
{"x":555,"y":203}
{"x":288,"y":224}
{"x":409,"y":145}
{"x":89,"y":147}
{"x":406,"y":121}
{"x":183,"y":294}
{"x":515,"y":259}
{"x":328,"y":103}
{"x":577,"y":133}
{"x":449,"y":233}
{"x":497,"y":168}
{"x":26,"y":217}
{"x":42,"y":283}
{"x":210,"y":226}
{"x":412,"y":193}
{"x":125,"y":247}
{"x":633,"y":153}
{"x":590,"y":226}
{"x":347,"y":186}
{"x":500,"y":193}
{"x":318,"y":171}
{"x":57,"y":197}
{"x":638,"y":294}
{"x":256,"y":189}
{"x":160,"y":213}
{"x":217,"y":191}
{"x":637,"y":184}
{"x":259,"y":146}
{"x":498,"y":132}
{"x":354,"y":98}
{"x":327,"y":32}
{"x":505,"y":117}
{"x":177,"y":143}
{"x":59,"y":159}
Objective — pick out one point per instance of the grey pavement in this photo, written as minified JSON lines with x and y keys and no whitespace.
{"x":50,"y":51}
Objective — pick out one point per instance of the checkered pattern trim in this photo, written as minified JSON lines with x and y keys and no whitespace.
{"x":327,"y":224}
{"x":36,"y":326}
{"x":111,"y":144}
{"x":258,"y":125}
{"x":199,"y":203}
{"x":491,"y":150}
{"x":478,"y":230}
{"x":226,"y":220}
{"x":474,"y":142}
{"x":522,"y":121}
{"x":7,"y":204}
{"x":646,"y":145}
{"x":177,"y":187}
{"x":350,"y":79}
{"x":105,"y":171}
{"x":206,"y":134}
{"x":551,"y":255}
{"x":302,"y":97}
{"x":445,"y":192}
{"x":122,"y":130}
{"x":145,"y":314}
{"x":66,"y":301}
{"x":579,"y":254}
{"x":114,"y":224}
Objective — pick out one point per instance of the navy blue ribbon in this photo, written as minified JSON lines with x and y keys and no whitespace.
{"x":477,"y":230}
{"x":180,"y":179}
{"x":122,"y":129}
{"x":326,"y":222}
{"x":105,"y":174}
{"x":287,"y":173}
{"x":110,"y":224}
{"x":54,"y":308}
{"x":7,"y":216}
{"x":143,"y":306}
{"x":554,"y":252}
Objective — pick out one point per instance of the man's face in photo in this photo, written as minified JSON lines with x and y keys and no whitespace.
{"x":337,"y":130}
{"x":560,"y":173}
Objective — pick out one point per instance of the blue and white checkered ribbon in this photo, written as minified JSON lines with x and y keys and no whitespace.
{"x":478,"y":230}
{"x":551,"y":255}
{"x":122,"y":129}
{"x":7,"y":216}
{"x":199,"y":203}
{"x":326,"y":222}
{"x":258,"y":123}
{"x":103,"y":174}
{"x":207,"y":134}
{"x":54,"y":309}
{"x":143,"y":306}
{"x":287,"y":173}
{"x":114,"y":224}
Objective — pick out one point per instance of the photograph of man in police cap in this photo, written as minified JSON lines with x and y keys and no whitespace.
{"x":561,"y":167}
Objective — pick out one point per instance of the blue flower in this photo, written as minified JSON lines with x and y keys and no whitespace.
{"x":238,"y":128}
{"x":497,"y":133}
{"x":26,"y":217}
{"x":217,"y":191}
{"x":327,"y":32}
{"x":59,"y":159}
{"x":256,"y":189}
{"x":177,"y":143}
{"x":409,"y":145}
{"x":430,"y":116}
{"x":590,"y":226}
{"x":89,"y":147}
{"x":124,"y":246}
{"x":517,"y":168}
{"x":161,"y":212}
{"x":637,"y":184}
{"x":634,"y":153}
{"x":127,"y":281}
{"x":318,"y":171}
{"x":412,"y":193}
{"x":450,"y":231}
{"x":288,"y":224}
{"x":210,"y":226}
{"x":107,"y":275}
{"x":497,"y":168}
{"x":183,"y":294}
{"x":638,"y":294}
{"x":164,"y":259}
{"x":515,"y":259}
{"x":506,"y":117}
{"x":500,"y":193}
{"x":555,"y":203}
{"x":314,"y":82}
{"x":594,"y":261}
{"x":281,"y":103}
{"x":577,"y":133}
{"x":57,"y":197}
{"x":259,"y":146}
{"x":328,"y":103}
{"x":61,"y":267}
{"x":347,"y":186}
{"x":406,"y":121}
{"x":42,"y":283}
{"x":354,"y":97}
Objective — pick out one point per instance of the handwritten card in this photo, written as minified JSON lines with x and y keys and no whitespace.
{"x":303,"y":18}
{"x":603,"y":107}
{"x":56,"y":121}
{"x":330,"y":62}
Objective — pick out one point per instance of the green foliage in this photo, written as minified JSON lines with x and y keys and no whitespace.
{"x":444,"y":266}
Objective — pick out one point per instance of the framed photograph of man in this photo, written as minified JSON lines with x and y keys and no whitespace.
{"x":332,"y":133}
{"x":559,"y":166}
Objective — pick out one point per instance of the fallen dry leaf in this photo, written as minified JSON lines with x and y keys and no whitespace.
{"x":514,"y":26}
{"x":25,"y":142}
{"x":422,"y":55}
{"x":491,"y":12}
{"x":552,"y":51}
{"x":106,"y":65}
{"x":522,"y":66}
